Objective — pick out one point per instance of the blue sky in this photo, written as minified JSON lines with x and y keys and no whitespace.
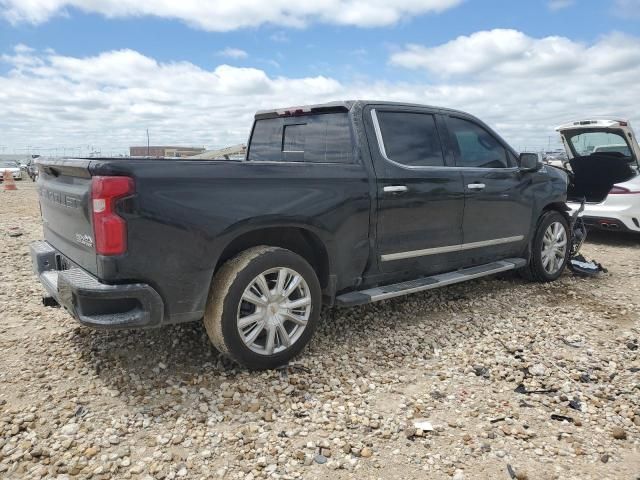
{"x":356,"y":54}
{"x":342,"y":51}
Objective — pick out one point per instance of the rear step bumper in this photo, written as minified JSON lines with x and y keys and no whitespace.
{"x":92,"y":303}
{"x":427,"y":283}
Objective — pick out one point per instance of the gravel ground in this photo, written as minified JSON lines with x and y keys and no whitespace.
{"x":457,"y":362}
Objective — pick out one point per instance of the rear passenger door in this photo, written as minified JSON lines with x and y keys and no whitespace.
{"x":303,"y":171}
{"x":420,"y":196}
{"x":497,"y":214}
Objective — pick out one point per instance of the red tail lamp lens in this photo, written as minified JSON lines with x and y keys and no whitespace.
{"x":110,"y":230}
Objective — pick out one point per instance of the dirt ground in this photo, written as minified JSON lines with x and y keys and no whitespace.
{"x":79,"y":403}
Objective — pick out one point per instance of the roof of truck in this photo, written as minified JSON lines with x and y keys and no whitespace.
{"x":343,"y":105}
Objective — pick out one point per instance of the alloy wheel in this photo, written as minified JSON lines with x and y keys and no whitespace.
{"x":554,"y":247}
{"x":274,"y":311}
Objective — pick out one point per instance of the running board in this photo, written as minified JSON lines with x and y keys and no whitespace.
{"x":427,"y":283}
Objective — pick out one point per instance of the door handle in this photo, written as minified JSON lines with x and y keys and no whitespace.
{"x":395,"y":189}
{"x":476,"y":186}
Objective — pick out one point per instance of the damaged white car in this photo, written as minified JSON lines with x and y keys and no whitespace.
{"x":603,"y":165}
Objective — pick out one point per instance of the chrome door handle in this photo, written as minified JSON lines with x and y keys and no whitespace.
{"x":476,"y":186}
{"x":395,"y":189}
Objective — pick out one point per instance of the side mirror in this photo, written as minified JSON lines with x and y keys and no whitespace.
{"x":529,"y":162}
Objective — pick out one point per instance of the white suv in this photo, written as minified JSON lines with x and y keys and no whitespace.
{"x":604,"y":163}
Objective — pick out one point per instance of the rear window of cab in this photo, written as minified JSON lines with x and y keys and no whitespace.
{"x":321,"y":138}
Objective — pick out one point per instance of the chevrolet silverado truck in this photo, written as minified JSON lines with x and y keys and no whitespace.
{"x":343,"y":204}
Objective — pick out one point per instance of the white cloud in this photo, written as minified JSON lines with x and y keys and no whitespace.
{"x":555,"y":5}
{"x":223,"y":15}
{"x":627,"y":8}
{"x":520,"y":85}
{"x":512,"y":53}
{"x":279,"y":37}
{"x":525,"y":85}
{"x":236,"y":53}
{"x":110,"y":99}
{"x":21,"y":48}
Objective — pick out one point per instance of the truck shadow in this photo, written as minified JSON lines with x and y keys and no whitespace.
{"x":154,"y":367}
{"x":179,"y":351}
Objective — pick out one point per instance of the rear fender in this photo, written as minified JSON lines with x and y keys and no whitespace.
{"x":310,"y":242}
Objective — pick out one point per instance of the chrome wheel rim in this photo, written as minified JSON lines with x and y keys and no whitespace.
{"x":274,"y":311}
{"x":554,"y":247}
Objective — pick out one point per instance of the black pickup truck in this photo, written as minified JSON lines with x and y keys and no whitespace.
{"x":339,"y":204}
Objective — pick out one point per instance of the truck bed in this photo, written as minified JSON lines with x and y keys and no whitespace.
{"x":184,"y":214}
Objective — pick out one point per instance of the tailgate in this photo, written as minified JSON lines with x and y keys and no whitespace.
{"x":64,"y":188}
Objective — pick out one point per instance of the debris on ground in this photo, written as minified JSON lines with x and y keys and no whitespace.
{"x":575,"y":404}
{"x":561,"y":418}
{"x":14,"y":232}
{"x":578,"y":264}
{"x":522,"y":389}
{"x":424,"y":426}
{"x":586,"y":268}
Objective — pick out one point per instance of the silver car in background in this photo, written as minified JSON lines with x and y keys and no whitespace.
{"x":12,"y":167}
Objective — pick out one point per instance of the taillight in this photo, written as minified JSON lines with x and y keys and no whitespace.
{"x":617,"y":190}
{"x":110,"y":230}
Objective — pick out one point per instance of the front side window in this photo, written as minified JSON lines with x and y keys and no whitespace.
{"x":324,"y":138}
{"x":411,"y":138}
{"x":476,"y":146}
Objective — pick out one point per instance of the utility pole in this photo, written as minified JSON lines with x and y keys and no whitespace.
{"x":147,"y":142}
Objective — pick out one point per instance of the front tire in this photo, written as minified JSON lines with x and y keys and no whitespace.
{"x":550,"y":248}
{"x":263,"y":307}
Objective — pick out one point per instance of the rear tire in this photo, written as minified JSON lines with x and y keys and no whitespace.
{"x":549,"y":249}
{"x":263,"y":307}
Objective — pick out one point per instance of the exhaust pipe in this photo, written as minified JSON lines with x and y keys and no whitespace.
{"x":610,"y":226}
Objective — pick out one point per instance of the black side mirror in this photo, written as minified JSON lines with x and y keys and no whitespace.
{"x":530,"y":162}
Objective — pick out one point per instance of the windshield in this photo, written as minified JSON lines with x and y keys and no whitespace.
{"x":8,"y":164}
{"x":587,"y":143}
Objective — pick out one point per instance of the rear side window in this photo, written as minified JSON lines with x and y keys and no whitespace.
{"x":476,"y":146}
{"x":322,"y":138}
{"x":266,"y":141}
{"x":411,"y":138}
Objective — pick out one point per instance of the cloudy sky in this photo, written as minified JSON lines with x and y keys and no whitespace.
{"x":95,"y":74}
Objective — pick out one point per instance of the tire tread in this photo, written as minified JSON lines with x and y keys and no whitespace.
{"x":219,"y":288}
{"x":534,"y":270}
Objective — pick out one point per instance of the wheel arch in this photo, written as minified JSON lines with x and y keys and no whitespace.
{"x":557,"y":206}
{"x":299,"y":239}
{"x":561,"y":207}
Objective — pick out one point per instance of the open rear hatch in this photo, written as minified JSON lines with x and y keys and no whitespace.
{"x":64,"y":188}
{"x":602,"y":153}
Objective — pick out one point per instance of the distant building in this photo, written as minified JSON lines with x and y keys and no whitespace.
{"x":235,"y":152}
{"x":164,"y":151}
